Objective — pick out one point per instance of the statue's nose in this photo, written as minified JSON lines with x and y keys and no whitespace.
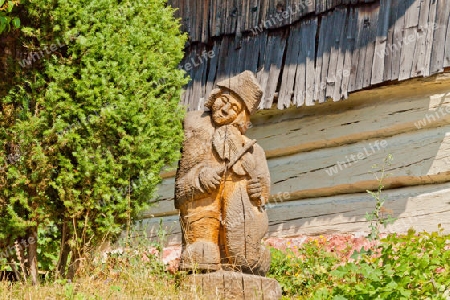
{"x":225,"y":108}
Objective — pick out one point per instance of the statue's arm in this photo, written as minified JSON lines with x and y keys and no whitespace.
{"x":195,"y":158}
{"x":187,"y":186}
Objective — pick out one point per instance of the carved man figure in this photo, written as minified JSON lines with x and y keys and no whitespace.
{"x":223,"y":182}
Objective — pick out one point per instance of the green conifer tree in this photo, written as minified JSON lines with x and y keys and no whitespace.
{"x":87,"y":127}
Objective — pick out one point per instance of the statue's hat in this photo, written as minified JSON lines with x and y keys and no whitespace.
{"x":245,"y":86}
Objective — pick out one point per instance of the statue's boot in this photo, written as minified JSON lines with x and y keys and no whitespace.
{"x":200,"y":221}
{"x":200,"y":256}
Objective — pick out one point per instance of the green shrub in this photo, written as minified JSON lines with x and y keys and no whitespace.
{"x":411,"y":266}
{"x":7,"y":17}
{"x":87,"y":128}
{"x":302,"y":270}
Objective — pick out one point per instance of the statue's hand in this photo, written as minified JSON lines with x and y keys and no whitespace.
{"x":254,"y":190}
{"x":210,"y":179}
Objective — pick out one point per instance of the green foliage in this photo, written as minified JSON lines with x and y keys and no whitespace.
{"x":377,"y":217}
{"x":411,"y":266}
{"x":302,"y":270}
{"x":48,"y":252}
{"x":7,"y":17}
{"x":85,"y":133}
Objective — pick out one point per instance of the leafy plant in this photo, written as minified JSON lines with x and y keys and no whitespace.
{"x":411,"y":266}
{"x":377,"y":217}
{"x":85,"y":131}
{"x":6,"y":15}
{"x":303,"y":269}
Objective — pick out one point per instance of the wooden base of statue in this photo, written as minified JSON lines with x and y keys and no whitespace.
{"x":232,"y":285}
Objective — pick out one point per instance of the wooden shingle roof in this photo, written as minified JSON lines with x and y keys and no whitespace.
{"x":305,"y":52}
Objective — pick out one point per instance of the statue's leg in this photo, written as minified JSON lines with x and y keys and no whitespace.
{"x":244,"y":226}
{"x":200,"y":221}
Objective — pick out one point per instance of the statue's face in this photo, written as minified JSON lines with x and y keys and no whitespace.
{"x":226,"y":109}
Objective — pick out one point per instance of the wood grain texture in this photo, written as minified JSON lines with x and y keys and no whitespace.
{"x":409,"y":38}
{"x":439,"y":37}
{"x":336,"y":61}
{"x":207,"y":19}
{"x":370,"y":24}
{"x":290,"y":68}
{"x":299,"y":87}
{"x":420,"y":51}
{"x":320,"y":56}
{"x":366,"y":116}
{"x":323,"y":57}
{"x":222,"y":183}
{"x":226,"y":285}
{"x":398,"y":19}
{"x":381,"y":41}
{"x":337,"y":170}
{"x":310,"y":61}
{"x":420,"y":207}
{"x":373,"y":42}
{"x":268,"y":77}
{"x":447,"y":46}
{"x":360,"y":50}
{"x":429,"y":39}
{"x":327,"y":44}
{"x":349,"y":49}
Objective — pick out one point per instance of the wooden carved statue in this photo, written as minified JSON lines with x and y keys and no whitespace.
{"x":222,"y":183}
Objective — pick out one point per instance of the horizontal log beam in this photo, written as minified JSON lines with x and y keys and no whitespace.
{"x":420,"y":207}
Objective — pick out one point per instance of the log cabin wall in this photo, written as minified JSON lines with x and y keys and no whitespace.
{"x":389,"y":59}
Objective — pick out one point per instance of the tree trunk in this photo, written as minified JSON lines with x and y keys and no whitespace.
{"x":64,"y":251}
{"x":20,"y":253}
{"x":32,"y":255}
{"x":12,"y":264}
{"x":76,"y":254}
{"x":74,"y":264}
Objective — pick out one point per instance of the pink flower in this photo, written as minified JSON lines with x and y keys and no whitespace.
{"x":153,"y":251}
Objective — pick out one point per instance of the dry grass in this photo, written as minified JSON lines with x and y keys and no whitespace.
{"x":84,"y":288}
{"x":129,"y":274}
